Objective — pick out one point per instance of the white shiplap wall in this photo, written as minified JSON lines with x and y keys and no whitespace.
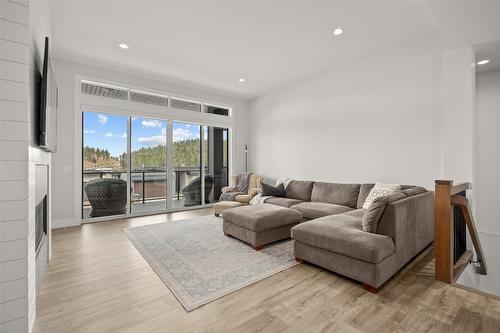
{"x":16,"y":229}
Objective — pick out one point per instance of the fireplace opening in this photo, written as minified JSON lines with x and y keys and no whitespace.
{"x":41,"y":204}
{"x":40,"y":221}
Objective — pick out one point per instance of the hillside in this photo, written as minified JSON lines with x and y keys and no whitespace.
{"x":186,"y":153}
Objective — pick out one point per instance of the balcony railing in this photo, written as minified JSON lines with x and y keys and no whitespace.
{"x":150,"y":184}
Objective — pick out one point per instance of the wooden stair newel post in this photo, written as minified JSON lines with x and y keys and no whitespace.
{"x":443,"y":238}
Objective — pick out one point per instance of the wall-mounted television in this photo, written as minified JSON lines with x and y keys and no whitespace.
{"x":47,"y":116}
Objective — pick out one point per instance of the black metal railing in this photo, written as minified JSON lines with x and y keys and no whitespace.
{"x":182,"y":176}
{"x":459,"y":232}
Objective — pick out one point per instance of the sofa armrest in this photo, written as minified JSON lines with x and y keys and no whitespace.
{"x":410,"y":224}
{"x":253,"y":192}
{"x":227,"y":189}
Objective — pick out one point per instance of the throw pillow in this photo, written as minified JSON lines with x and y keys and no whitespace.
{"x":273,"y":191}
{"x":374,"y":212}
{"x":379,"y":190}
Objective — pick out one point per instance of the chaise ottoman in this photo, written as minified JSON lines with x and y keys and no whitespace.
{"x":261,"y":224}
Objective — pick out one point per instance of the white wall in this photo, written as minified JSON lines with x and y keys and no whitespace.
{"x":458,"y":97}
{"x":487,"y":152}
{"x":486,"y":164}
{"x":64,"y":171}
{"x":372,"y":119}
{"x":15,"y":229}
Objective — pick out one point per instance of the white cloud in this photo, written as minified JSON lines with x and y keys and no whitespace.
{"x":152,"y":140}
{"x":108,"y":135}
{"x":123,"y":135}
{"x":88,"y":131}
{"x":102,"y":118}
{"x":181,"y":134}
{"x":151,"y":123}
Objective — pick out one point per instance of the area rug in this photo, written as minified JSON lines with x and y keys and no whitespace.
{"x":199,"y":264}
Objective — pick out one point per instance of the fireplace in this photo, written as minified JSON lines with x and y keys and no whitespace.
{"x":41,"y":205}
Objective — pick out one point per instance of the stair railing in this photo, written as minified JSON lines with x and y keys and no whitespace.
{"x":452,"y":221}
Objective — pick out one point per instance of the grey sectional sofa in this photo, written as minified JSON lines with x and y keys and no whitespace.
{"x":332,"y":233}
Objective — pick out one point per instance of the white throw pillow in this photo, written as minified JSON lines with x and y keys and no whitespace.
{"x":380,"y":189}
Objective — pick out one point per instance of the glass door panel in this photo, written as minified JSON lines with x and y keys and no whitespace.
{"x":148,"y":173}
{"x":186,"y":148}
{"x":216,"y":159}
{"x":105,"y":165}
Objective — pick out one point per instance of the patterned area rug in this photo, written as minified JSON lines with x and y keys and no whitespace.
{"x":199,"y":264}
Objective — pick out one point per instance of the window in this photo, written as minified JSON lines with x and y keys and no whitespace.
{"x":217,"y":110}
{"x":109,"y":170}
{"x":148,"y":161}
{"x":180,"y":104}
{"x":102,"y":90}
{"x":148,"y":98}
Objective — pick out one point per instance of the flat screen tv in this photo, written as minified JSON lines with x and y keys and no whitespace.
{"x":47,"y":117}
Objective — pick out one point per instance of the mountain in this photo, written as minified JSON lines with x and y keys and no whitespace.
{"x":186,"y":153}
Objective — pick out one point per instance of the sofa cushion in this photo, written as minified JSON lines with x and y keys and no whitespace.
{"x":356,"y":213}
{"x":313,"y":210}
{"x":334,"y":193}
{"x":298,"y":189}
{"x":343,"y":234}
{"x":374,"y":212}
{"x":415,"y":190}
{"x":261,"y":217}
{"x":284,"y":202}
{"x":364,"y":190}
{"x":243,"y":198}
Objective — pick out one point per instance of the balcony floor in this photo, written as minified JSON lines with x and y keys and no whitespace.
{"x":152,"y":206}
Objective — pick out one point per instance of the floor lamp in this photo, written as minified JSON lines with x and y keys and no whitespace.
{"x":246,"y":158}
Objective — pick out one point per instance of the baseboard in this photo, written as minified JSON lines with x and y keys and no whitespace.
{"x":64,"y":223}
{"x":476,"y":291}
{"x":487,"y":232}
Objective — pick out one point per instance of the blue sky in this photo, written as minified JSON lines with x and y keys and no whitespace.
{"x":106,"y":131}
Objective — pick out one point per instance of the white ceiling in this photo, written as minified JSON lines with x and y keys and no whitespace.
{"x":212,"y":44}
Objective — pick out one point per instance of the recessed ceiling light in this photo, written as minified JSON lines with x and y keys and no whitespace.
{"x":483,"y":62}
{"x":123,"y":46}
{"x":338,"y":31}
{"x":241,"y":79}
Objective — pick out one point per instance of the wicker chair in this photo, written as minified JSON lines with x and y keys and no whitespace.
{"x":107,"y":196}
{"x":192,"y":191}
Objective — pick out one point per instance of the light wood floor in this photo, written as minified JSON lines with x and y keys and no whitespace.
{"x":98,"y":282}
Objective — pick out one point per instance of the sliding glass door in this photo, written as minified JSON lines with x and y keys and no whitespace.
{"x":105,"y":165}
{"x":148,"y":173}
{"x":187,"y":189}
{"x":216,"y":159}
{"x":137,"y":166}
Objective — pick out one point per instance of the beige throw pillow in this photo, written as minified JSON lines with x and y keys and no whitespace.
{"x":380,"y":189}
